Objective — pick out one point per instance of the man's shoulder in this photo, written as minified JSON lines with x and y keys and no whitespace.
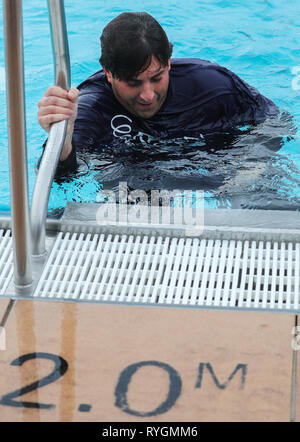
{"x":94,"y":83}
{"x":95,"y":92}
{"x":195,"y":82}
{"x":201,"y":72}
{"x":190,"y":62}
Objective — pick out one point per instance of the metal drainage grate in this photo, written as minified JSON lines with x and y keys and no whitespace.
{"x":171,"y":271}
{"x":6,"y":260}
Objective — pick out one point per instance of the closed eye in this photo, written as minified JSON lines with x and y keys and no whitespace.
{"x":155,"y":79}
{"x":133,"y":83}
{"x":137,"y":83}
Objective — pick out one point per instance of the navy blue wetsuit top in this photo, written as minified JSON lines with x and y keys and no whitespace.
{"x":202,"y":98}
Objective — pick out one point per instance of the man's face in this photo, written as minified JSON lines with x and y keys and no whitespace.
{"x":144,"y":95}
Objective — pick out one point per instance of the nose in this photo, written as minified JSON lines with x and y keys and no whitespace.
{"x":147,"y":92}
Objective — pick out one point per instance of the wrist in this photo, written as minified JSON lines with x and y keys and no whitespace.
{"x":67,"y":149}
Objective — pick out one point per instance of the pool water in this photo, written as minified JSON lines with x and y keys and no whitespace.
{"x":258,"y":40}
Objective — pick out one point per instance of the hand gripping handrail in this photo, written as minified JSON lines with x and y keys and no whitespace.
{"x":57,"y":134}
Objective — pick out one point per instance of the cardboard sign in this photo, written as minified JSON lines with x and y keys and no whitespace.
{"x":110,"y":363}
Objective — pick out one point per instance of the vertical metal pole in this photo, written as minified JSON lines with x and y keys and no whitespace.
{"x":17,"y":142}
{"x":60,"y":46}
{"x":56,"y":139}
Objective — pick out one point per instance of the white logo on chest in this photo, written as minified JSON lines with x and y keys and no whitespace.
{"x":122,"y":128}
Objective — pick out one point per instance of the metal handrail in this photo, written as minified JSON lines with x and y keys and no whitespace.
{"x":57,"y":134}
{"x":14,"y":58}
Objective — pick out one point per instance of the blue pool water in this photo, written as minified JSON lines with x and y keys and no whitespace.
{"x":257,"y":39}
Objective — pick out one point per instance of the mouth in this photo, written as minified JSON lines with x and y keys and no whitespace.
{"x":145,"y":105}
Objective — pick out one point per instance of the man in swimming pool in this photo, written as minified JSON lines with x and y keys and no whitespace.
{"x":141,"y":94}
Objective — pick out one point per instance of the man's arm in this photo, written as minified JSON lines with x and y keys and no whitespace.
{"x":57,"y":105}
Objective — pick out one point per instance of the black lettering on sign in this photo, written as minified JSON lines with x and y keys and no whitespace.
{"x":61,"y":366}
{"x":125,"y":378}
{"x":242,"y":367}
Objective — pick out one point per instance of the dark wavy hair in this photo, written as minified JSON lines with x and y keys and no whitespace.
{"x":128,"y":43}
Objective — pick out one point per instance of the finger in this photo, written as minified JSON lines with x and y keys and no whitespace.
{"x":73,"y":94}
{"x":56,"y":91}
{"x":55,"y":101}
{"x":47,"y":120}
{"x":55,"y":110}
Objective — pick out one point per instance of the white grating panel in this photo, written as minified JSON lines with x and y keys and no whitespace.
{"x":6,"y":260}
{"x":172,"y":271}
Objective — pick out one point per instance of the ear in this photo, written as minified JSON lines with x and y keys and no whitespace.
{"x":169,"y":64}
{"x":108,"y":74}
